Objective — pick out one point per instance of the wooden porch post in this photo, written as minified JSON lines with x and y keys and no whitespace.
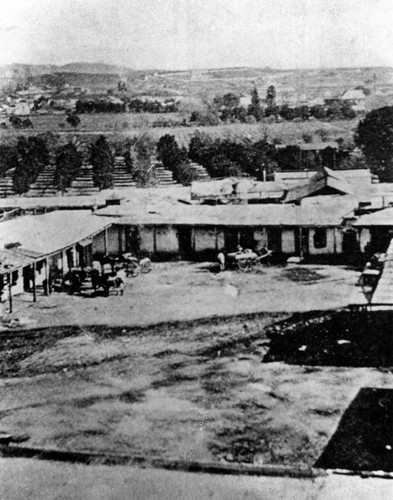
{"x":47,"y":290}
{"x":106,"y":241}
{"x":34,"y":288}
{"x":10,"y":292}
{"x":301,"y":242}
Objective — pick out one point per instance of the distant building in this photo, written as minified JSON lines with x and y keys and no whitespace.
{"x":21,"y":108}
{"x":355,"y":98}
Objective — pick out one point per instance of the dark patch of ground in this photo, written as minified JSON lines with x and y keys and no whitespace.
{"x":17,"y":345}
{"x":334,"y":339}
{"x":301,"y":274}
{"x":364,"y":437}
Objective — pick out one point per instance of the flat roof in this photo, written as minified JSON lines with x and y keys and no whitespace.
{"x":69,"y":202}
{"x":380,"y":218}
{"x":51,"y":232}
{"x":227,"y":215}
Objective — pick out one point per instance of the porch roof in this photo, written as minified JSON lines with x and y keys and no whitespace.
{"x":52,"y":232}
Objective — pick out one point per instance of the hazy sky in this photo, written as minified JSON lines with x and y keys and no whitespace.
{"x":177,"y":34}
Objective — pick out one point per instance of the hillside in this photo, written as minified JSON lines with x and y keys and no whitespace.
{"x":91,"y":68}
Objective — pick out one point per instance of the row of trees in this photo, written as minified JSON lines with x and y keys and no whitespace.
{"x":132,"y":105}
{"x":227,"y":108}
{"x":224,"y":157}
{"x":220,"y":157}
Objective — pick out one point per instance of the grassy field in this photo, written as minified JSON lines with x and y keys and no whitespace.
{"x":117,"y":126}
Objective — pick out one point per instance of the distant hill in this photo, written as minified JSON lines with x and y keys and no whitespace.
{"x":25,"y":70}
{"x":92,"y":68}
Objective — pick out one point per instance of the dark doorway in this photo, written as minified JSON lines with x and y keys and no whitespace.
{"x":364,"y":438}
{"x":302,"y":241}
{"x":274,"y":239}
{"x":380,"y":239}
{"x":350,"y":242}
{"x":70,"y":258}
{"x":27,"y":278}
{"x":231,"y":239}
{"x":184,"y":234}
{"x":246,"y":239}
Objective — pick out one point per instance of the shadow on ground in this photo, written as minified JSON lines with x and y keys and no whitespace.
{"x":343,"y":338}
{"x":364,"y":437}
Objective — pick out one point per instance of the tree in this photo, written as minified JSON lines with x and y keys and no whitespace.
{"x":142,"y":154}
{"x":374,"y":136}
{"x":168,"y":152}
{"x":254,"y":108}
{"x":230,"y":100}
{"x":8,"y":159}
{"x":32,"y":156}
{"x":271,"y":96}
{"x":73,"y":120}
{"x":175,"y":159}
{"x":68,"y":162}
{"x":287,"y":113}
{"x":263,"y":158}
{"x":200,"y":148}
{"x":289,"y":158}
{"x":102,"y":161}
{"x":318,"y":111}
{"x":15,"y":121}
{"x":122,"y":86}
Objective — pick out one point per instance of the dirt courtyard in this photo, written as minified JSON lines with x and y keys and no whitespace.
{"x":199,"y":389}
{"x":179,"y":291}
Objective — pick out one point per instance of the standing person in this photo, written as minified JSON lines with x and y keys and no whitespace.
{"x":265,"y":252}
{"x":96,"y":264}
{"x":107,"y":269}
{"x":221,"y":260}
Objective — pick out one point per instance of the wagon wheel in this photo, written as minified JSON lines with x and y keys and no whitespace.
{"x":244,"y":265}
{"x":134,"y":271}
{"x":146,"y":267}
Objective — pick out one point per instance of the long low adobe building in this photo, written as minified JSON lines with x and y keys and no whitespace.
{"x":197,"y":231}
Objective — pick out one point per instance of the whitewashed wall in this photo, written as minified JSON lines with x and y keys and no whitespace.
{"x":204,"y":239}
{"x":166,"y":240}
{"x":288,"y":241}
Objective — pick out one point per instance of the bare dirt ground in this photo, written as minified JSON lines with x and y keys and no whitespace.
{"x":184,"y":291}
{"x":191,"y":390}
